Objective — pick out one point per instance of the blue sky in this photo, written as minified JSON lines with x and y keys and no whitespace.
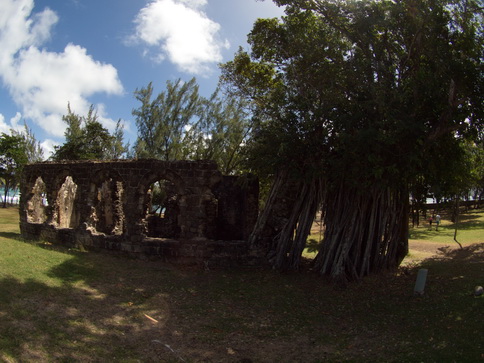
{"x":100,"y":51}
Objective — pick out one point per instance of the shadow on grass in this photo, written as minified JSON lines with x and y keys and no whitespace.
{"x":444,"y":319}
{"x":97,"y":313}
{"x":469,"y":216}
{"x":115,"y":309}
{"x":11,"y":235}
{"x":469,"y":254}
{"x":469,"y":224}
{"x":313,"y":246}
{"x":44,"y":323}
{"x":75,"y":269}
{"x":428,"y":234}
{"x":444,"y":231}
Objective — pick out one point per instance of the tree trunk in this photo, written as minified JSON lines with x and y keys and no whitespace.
{"x":290,"y":243}
{"x":365,"y":232}
{"x":285,"y":223}
{"x":261,"y":232}
{"x":5,"y":194}
{"x":456,"y":219}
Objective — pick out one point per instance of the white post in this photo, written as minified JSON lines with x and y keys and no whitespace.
{"x":420,"y":283}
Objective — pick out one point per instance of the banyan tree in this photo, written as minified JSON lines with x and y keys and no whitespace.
{"x":350,"y":101}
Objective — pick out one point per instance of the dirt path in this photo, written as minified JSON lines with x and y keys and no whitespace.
{"x":421,"y":249}
{"x":429,"y":246}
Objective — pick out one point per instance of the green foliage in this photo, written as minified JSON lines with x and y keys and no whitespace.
{"x":87,"y":139}
{"x":117,"y":147}
{"x":158,"y":196}
{"x":219,"y":133}
{"x":180,"y":124}
{"x":12,"y":159}
{"x":16,"y":150}
{"x":453,"y":169}
{"x":361,"y":91}
{"x":475,"y":152}
{"x":162,"y":121}
{"x":33,"y":149}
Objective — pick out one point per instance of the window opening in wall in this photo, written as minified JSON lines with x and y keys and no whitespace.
{"x":37,"y":202}
{"x":66,"y":213}
{"x":163,"y":210}
{"x":108,"y":211}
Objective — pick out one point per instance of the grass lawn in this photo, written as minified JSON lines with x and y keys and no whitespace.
{"x":64,"y":305}
{"x":470,"y":229}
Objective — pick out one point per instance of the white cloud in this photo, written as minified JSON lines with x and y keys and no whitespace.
{"x":17,"y":31}
{"x":13,"y":124}
{"x":43,"y":82}
{"x":48,"y":147}
{"x":194,"y":3}
{"x":180,"y":31}
{"x":4,"y":128}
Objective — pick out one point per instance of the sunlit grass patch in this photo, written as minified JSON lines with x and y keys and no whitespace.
{"x":470,"y":227}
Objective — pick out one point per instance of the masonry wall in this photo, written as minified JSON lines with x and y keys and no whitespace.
{"x":106,"y":205}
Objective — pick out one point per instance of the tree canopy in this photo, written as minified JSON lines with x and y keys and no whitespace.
{"x":356,"y":99}
{"x":86,"y":138}
{"x":180,"y":124}
{"x":162,"y":121}
{"x":357,"y":80}
{"x":17,"y":149}
{"x":33,"y":149}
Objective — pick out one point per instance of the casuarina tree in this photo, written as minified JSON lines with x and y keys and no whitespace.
{"x":179,"y":124}
{"x":87,"y":139}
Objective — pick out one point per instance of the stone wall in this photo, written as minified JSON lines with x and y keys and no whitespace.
{"x":107,"y":205}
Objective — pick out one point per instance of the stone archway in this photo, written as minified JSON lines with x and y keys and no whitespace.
{"x":161,"y":202}
{"x":66,"y":214}
{"x":36,"y":203}
{"x":106,"y":200}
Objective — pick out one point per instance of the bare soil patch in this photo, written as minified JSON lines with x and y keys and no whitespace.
{"x":420,"y":250}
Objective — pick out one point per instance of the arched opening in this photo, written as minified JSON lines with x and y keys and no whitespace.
{"x":162,"y":209}
{"x":67,"y":216}
{"x":37,"y":202}
{"x":107,"y":201}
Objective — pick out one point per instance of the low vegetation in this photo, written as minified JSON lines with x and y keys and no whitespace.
{"x":65,"y":305}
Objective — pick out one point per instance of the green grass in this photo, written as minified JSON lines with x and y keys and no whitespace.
{"x":470,"y":229}
{"x":63,"y":305}
{"x":26,"y":262}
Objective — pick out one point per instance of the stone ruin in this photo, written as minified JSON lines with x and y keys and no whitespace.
{"x":183,"y":211}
